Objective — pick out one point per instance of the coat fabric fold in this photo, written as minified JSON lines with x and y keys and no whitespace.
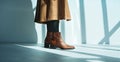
{"x":49,"y":10}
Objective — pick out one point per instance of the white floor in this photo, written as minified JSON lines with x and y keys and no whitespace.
{"x":36,"y":53}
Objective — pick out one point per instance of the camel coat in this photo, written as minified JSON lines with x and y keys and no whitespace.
{"x":48,"y":10}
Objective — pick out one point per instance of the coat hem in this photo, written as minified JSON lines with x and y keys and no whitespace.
{"x":45,"y":22}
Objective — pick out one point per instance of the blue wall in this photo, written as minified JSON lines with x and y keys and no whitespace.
{"x":16,"y":21}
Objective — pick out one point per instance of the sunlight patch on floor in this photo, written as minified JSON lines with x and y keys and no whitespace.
{"x":61,"y":52}
{"x":95,"y":61}
{"x":108,"y":51}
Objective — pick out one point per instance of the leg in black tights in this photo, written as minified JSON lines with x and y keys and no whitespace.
{"x":53,"y":26}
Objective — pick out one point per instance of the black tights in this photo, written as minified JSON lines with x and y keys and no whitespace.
{"x":53,"y":26}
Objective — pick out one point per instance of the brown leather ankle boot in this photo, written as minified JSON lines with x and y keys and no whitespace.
{"x":48,"y":39}
{"x":58,"y":41}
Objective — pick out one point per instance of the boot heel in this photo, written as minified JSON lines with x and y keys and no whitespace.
{"x":46,"y":45}
{"x":53,"y":47}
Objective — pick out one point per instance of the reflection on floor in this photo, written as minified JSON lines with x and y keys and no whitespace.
{"x":36,"y":53}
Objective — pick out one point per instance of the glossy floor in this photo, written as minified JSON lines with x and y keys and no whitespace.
{"x":36,"y":53}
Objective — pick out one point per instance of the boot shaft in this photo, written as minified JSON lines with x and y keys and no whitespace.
{"x":49,"y":34}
